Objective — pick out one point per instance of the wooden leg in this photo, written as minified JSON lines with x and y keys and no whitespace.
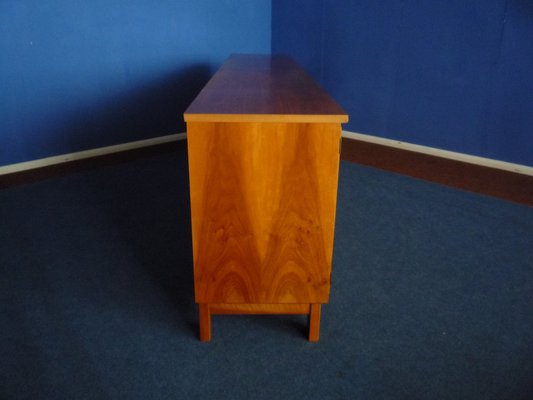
{"x":205,"y":322}
{"x":314,"y":322}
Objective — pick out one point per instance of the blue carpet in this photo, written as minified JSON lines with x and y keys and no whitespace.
{"x":432,"y":296}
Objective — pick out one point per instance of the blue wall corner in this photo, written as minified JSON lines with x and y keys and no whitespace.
{"x":453,"y":75}
{"x":80,"y":75}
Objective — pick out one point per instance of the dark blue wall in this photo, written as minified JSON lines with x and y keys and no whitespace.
{"x":79,"y":74}
{"x":451,"y":74}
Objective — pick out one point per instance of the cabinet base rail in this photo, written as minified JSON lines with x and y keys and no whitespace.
{"x":208,"y":309}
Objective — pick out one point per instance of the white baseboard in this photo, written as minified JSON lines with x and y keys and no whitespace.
{"x":486,"y":162}
{"x":44,"y":162}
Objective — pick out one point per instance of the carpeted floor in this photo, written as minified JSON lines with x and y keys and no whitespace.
{"x":432,"y":296}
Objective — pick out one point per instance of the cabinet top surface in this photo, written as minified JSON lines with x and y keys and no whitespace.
{"x":263,"y":88}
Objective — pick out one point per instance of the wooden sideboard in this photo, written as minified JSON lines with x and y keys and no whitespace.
{"x":263,"y":145}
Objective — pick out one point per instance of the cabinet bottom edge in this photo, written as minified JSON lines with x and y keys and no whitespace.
{"x":259,"y":308}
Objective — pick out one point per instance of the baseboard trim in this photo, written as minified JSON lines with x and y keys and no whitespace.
{"x":476,"y":174}
{"x":80,"y":155}
{"x":481,"y":177}
{"x":432,"y":151}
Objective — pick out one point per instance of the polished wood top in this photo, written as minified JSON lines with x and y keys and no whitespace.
{"x":263,"y":88}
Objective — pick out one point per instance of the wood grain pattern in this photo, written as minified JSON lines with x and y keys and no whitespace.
{"x":263,"y":145}
{"x":263,"y":199}
{"x":260,"y":88}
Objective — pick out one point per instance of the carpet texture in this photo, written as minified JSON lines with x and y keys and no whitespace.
{"x":432,"y":296}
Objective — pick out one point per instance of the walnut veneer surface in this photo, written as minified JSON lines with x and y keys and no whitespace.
{"x":263,"y":88}
{"x":263,"y":143}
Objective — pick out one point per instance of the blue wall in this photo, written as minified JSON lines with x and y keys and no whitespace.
{"x":451,"y":74}
{"x":79,"y":74}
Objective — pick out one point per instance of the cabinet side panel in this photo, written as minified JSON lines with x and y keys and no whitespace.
{"x":263,"y":201}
